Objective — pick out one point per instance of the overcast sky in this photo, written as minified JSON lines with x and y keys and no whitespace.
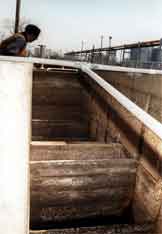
{"x":65,"y":23}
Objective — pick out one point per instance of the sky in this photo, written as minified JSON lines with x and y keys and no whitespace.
{"x":65,"y":23}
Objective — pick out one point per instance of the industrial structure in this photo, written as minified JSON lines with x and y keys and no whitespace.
{"x":142,"y":54}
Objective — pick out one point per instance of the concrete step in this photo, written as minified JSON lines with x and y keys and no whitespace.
{"x":58,"y":139}
{"x":51,"y":130}
{"x":111,"y":229}
{"x":54,"y":150}
{"x":74,"y":181}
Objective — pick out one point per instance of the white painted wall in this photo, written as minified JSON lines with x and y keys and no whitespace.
{"x":15,"y":135}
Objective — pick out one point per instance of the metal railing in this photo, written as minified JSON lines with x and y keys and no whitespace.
{"x":117,"y":62}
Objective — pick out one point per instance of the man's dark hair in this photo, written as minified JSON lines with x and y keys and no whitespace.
{"x":32,"y":29}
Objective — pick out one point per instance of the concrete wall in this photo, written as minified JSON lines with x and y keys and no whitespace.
{"x":15,"y":136}
{"x":109,"y":121}
{"x":57,"y":106}
{"x":143,"y":89}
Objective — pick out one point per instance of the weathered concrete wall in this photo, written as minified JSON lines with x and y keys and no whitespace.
{"x":57,"y":106}
{"x":111,"y":229}
{"x":15,"y":133}
{"x":109,"y":121}
{"x":143,"y":89}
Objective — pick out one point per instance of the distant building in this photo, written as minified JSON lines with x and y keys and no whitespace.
{"x":145,"y":55}
{"x":42,"y":51}
{"x":141,"y":54}
{"x":156,"y":55}
{"x":48,"y":53}
{"x":36,"y":52}
{"x":111,"y":56}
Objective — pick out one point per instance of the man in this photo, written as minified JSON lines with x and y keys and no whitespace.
{"x":16,"y":44}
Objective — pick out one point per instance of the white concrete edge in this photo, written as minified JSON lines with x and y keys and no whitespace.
{"x":59,"y":161}
{"x":77,"y":65}
{"x":125,"y":69}
{"x":56,"y":62}
{"x":15,"y":138}
{"x":154,"y":125}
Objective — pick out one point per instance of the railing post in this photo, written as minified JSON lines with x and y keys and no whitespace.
{"x":15,"y":136}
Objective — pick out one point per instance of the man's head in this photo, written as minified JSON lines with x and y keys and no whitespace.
{"x":32,"y":32}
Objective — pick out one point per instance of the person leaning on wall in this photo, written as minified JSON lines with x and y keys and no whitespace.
{"x":16,"y":44}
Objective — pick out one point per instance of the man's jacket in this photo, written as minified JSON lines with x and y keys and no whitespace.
{"x":14,"y":45}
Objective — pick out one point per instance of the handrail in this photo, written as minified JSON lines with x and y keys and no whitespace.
{"x":125,"y":69}
{"x":55,"y":62}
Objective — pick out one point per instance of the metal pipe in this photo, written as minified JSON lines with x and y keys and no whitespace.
{"x":15,"y":137}
{"x":102,"y":37}
{"x":17,"y":16}
{"x":82,"y":46}
{"x":110,"y":38}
